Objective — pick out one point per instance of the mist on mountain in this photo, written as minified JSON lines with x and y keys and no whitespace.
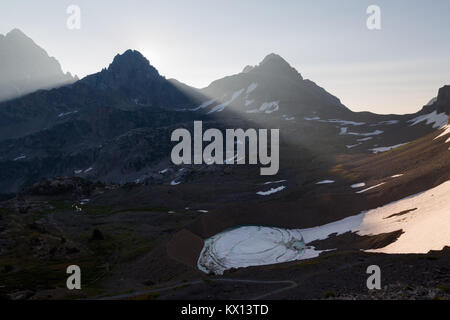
{"x":26,"y":67}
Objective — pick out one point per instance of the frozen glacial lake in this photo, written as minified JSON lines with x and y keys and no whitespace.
{"x":250,"y":246}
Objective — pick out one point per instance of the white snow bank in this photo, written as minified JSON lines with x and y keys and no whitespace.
{"x":250,"y":246}
{"x":374,"y":133}
{"x":287,"y":118}
{"x":205,"y":104}
{"x":274,"y":182}
{"x":385,"y":123}
{"x":344,"y":122}
{"x":424,"y":219}
{"x":438,"y":120}
{"x":425,"y":226}
{"x":351,"y":146}
{"x":376,"y":186}
{"x":384,"y":149}
{"x":271,"y":191}
{"x":358,"y":185}
{"x":251,"y":87}
{"x":63,"y":114}
{"x":267,"y":107}
{"x":325,"y":182}
{"x":222,"y":106}
{"x":248,"y":102}
{"x":446,"y":132}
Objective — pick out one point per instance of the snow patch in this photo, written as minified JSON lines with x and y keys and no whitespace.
{"x":446,"y":132}
{"x":274,"y":182}
{"x":326,"y":182}
{"x":271,"y":191}
{"x":438,"y":120}
{"x":222,"y":106}
{"x":204,"y":105}
{"x":251,"y":87}
{"x":376,"y":186}
{"x":285,"y":117}
{"x":384,"y":149}
{"x":20,"y":158}
{"x":385,"y":123}
{"x":248,"y":102}
{"x":250,"y":246}
{"x":374,"y":133}
{"x":63,"y":114}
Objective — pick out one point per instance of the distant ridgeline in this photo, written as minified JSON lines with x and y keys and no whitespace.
{"x":26,"y":67}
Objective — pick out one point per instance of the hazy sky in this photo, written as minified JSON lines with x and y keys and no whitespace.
{"x":393,"y":70}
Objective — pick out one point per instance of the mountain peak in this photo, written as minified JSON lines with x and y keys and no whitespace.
{"x":273,"y":58}
{"x":26,"y":67}
{"x":443,"y":100}
{"x":16,"y":34}
{"x":131,"y":60}
{"x":274,"y":64}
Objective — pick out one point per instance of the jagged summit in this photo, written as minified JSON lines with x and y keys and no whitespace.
{"x":275,"y":65}
{"x":131,"y":75}
{"x":128,"y":70}
{"x":16,"y":33}
{"x":443,"y":100}
{"x":132,"y":60}
{"x":273,"y":58}
{"x":26,"y":67}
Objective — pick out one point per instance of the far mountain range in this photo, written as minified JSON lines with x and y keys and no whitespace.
{"x":114,"y":126}
{"x":86,"y":175}
{"x":26,"y":67}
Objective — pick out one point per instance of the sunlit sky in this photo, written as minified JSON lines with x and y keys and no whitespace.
{"x":393,"y":70}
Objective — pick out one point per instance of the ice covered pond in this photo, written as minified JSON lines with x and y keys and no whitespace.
{"x":250,"y":246}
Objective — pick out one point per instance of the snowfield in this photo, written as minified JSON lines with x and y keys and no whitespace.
{"x":437,"y":120}
{"x":424,"y":219}
{"x":250,"y":246}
